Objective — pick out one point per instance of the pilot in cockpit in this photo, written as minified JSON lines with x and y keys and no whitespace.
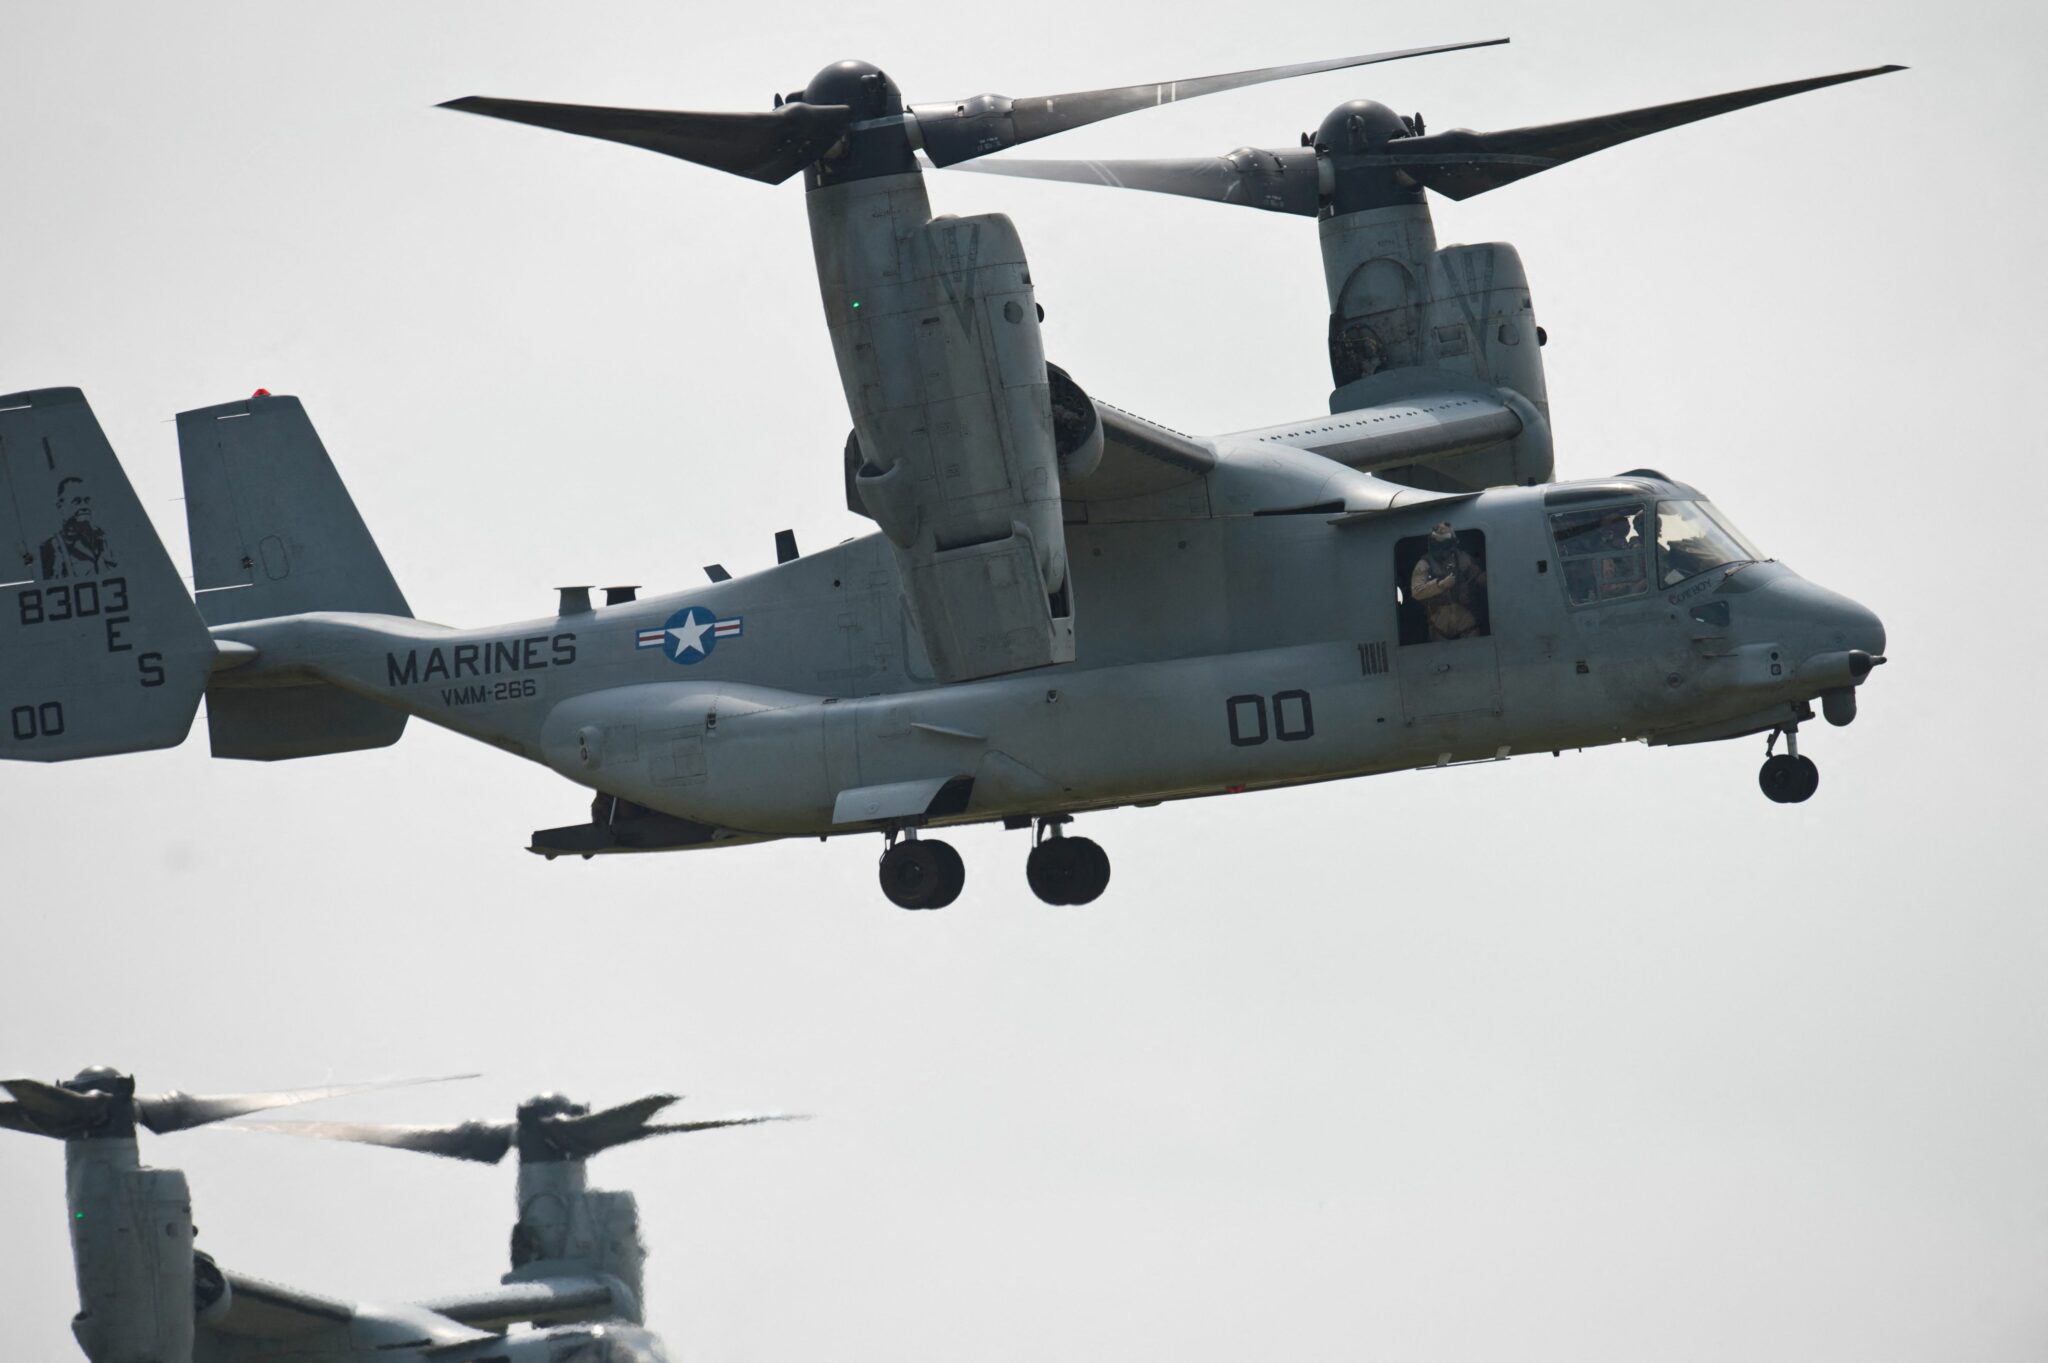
{"x":1621,"y":572}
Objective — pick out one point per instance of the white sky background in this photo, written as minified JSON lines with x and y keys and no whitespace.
{"x":1603,"y":1058}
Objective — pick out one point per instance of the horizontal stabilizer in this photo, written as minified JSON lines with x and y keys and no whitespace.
{"x":274,"y":532}
{"x":101,"y":650}
{"x":275,"y":723}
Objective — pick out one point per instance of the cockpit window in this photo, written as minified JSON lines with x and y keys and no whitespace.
{"x":1693,"y":537}
{"x":1602,"y":552}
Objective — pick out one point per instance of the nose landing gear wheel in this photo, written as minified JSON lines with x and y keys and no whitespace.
{"x":922,"y":873}
{"x":1789,"y":780}
{"x":1067,"y":870}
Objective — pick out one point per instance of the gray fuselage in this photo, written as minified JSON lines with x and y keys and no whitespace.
{"x":1215,"y":653}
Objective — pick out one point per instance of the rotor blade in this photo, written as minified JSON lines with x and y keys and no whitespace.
{"x":974,"y":127}
{"x":482,"y":1142}
{"x":676,"y":1128}
{"x":1280,"y":181}
{"x":768,"y":146}
{"x":1461,"y":163}
{"x":14,"y":1117}
{"x":53,"y":1110}
{"x":164,"y":1113}
{"x":581,"y":1137}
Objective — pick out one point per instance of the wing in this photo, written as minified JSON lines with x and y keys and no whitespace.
{"x":1398,"y":432}
{"x":1139,"y":457}
{"x":255,"y":1309}
{"x":540,"y":1301}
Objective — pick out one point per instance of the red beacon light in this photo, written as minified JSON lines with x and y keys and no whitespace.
{"x":260,"y":393}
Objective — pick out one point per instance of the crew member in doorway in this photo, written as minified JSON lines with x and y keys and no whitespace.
{"x":1447,"y":582}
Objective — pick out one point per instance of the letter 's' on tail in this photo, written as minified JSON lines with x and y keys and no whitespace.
{"x":101,"y":650}
{"x":274,"y":532}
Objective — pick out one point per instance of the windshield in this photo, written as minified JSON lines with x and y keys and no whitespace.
{"x":1602,"y":551}
{"x":1693,"y":537}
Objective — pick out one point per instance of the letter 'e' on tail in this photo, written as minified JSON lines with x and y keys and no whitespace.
{"x":101,"y":650}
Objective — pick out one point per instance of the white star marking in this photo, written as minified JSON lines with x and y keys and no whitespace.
{"x":689,"y":635}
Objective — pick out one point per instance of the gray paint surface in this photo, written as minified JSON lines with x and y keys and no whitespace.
{"x":1749,"y":1088}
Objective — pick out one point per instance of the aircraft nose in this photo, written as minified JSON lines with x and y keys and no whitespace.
{"x":1829,"y":621}
{"x":1843,"y":640}
{"x":1850,"y":624}
{"x":1867,"y":629}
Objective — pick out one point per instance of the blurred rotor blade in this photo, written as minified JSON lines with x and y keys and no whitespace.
{"x":957,"y":131}
{"x":580,"y":1137}
{"x":1461,"y":163}
{"x":1278,"y":181}
{"x":482,"y":1142}
{"x":47,"y":1110}
{"x":164,"y":1113}
{"x":768,"y":146}
{"x":675,"y":1128}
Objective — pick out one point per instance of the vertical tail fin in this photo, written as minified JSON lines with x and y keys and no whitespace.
{"x":274,"y":532}
{"x":101,"y":650}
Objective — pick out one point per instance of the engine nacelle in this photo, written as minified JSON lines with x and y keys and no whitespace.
{"x":1402,"y":311}
{"x":567,"y":1226}
{"x":1076,"y":435}
{"x":212,"y":1294}
{"x":935,"y":330}
{"x":131,"y":1246}
{"x":1076,"y":427}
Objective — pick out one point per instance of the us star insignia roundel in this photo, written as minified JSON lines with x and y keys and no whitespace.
{"x":690,"y":635}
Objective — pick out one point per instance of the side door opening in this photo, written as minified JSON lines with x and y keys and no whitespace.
{"x":1449,"y":662}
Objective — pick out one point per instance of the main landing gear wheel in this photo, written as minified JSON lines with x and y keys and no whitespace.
{"x":1067,"y":870}
{"x":922,"y":873}
{"x":1788,"y":778}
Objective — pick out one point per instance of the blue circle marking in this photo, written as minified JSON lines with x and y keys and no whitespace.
{"x":690,"y":635}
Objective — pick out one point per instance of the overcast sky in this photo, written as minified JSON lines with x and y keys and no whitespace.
{"x":1633,"y":1065}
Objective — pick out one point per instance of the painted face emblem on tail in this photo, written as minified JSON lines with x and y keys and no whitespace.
{"x":690,"y":634}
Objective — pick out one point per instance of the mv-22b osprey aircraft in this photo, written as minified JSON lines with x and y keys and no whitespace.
{"x":146,"y":1295}
{"x":1066,"y":608}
